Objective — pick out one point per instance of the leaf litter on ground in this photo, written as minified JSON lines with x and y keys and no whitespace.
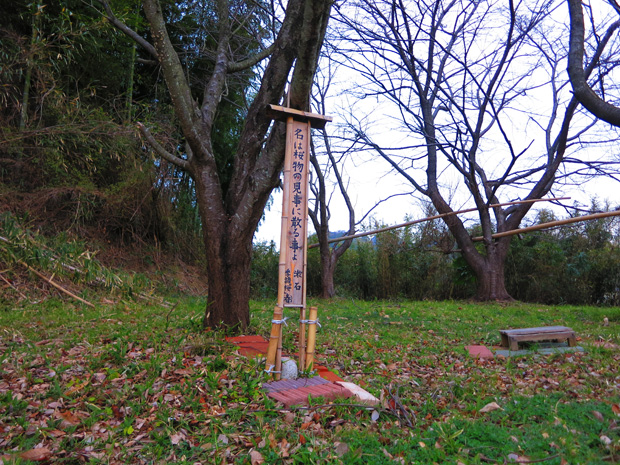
{"x":115,"y":384}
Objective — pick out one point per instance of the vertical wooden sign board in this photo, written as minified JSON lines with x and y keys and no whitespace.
{"x":294,"y":232}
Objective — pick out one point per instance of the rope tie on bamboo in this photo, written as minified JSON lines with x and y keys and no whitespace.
{"x":271,"y":369}
{"x":311,"y":322}
{"x":279,"y":322}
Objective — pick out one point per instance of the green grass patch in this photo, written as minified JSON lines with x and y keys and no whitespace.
{"x":135,"y":383}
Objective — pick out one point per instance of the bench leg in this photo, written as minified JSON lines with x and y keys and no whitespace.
{"x":572,"y":341}
{"x":514,"y":344}
{"x":504,"y":340}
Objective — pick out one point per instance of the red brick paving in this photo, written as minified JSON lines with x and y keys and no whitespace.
{"x":293,"y":392}
{"x":250,"y":346}
{"x":479,"y":352}
{"x":299,"y":396}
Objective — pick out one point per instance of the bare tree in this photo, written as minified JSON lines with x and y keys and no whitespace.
{"x":459,"y":76}
{"x":319,"y":211}
{"x":230,"y":209}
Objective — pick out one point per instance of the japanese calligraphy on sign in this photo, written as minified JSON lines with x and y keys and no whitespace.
{"x":295,"y":214}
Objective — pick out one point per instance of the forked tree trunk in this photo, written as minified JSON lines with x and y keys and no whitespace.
{"x":328,"y":267}
{"x":491,"y":281}
{"x":228,"y":270}
{"x":489,"y":271}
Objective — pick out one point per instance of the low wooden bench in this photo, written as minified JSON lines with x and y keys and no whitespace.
{"x":512,"y":337}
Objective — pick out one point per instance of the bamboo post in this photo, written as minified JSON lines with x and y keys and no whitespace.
{"x":275,"y":342}
{"x":312,"y":323}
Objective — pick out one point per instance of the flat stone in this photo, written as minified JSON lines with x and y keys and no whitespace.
{"x":543,"y":351}
{"x":362,"y":395}
{"x":480,"y":352}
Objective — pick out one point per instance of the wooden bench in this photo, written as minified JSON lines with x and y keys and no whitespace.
{"x":512,"y":337}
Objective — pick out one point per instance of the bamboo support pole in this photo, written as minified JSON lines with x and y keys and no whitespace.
{"x":551,"y":224}
{"x":431,"y":218}
{"x":312,"y":323}
{"x":278,"y":373}
{"x":302,"y":337}
{"x":275,"y":341}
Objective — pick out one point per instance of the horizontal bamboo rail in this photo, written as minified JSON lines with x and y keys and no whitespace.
{"x":430,"y":218}
{"x":550,"y":224}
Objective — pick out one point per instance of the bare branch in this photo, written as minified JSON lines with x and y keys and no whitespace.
{"x":252,"y":61}
{"x":578,"y":77}
{"x":118,"y":24}
{"x":160,"y":150}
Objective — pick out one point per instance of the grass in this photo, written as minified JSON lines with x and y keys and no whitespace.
{"x":131,"y":383}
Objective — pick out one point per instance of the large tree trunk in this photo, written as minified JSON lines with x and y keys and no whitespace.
{"x":328,"y":267}
{"x":490,"y":275}
{"x":228,"y":269}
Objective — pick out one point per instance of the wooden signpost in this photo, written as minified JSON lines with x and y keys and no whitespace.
{"x":293,"y":237}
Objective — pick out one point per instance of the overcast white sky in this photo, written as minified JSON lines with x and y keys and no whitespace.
{"x":371,"y":180}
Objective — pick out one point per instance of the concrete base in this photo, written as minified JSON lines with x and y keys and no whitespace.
{"x":541,"y":351}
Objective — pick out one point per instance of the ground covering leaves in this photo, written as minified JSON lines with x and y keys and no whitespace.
{"x":130,"y":382}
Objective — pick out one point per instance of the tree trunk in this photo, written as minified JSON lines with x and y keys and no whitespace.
{"x":489,"y":271}
{"x":328,"y":267}
{"x":228,"y":269}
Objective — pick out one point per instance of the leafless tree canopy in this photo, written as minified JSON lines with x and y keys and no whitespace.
{"x":479,"y":106}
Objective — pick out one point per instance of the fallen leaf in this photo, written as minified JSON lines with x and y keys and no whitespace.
{"x":68,"y":419}
{"x":616,"y":409}
{"x":36,"y":455}
{"x":490,"y":407}
{"x":598,"y":415}
{"x":374,"y":416}
{"x":605,"y":440}
{"x":289,"y":417}
{"x":256,"y":458}
{"x":518,"y":458}
{"x":341,"y":448}
{"x":176,"y":438}
{"x":284,"y":446}
{"x":223,"y":439}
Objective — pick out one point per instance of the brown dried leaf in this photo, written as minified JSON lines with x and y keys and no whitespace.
{"x":176,"y":438}
{"x":341,"y":448}
{"x":256,"y":458}
{"x":490,"y":407}
{"x":36,"y":455}
{"x":68,"y":419}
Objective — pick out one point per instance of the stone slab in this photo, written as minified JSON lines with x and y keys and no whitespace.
{"x":543,"y":351}
{"x":362,"y":395}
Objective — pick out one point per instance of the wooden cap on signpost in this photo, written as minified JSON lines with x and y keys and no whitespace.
{"x":280,"y":113}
